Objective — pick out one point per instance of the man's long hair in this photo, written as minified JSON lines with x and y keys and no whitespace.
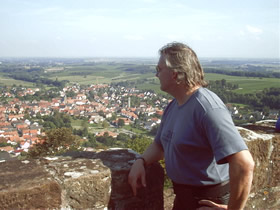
{"x":182,"y":59}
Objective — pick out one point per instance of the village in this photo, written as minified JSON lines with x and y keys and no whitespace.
{"x":97,"y":103}
{"x":18,"y":131}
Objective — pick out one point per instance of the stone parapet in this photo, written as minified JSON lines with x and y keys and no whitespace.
{"x":98,"y":180}
{"x":264,"y":145}
{"x":78,"y":180}
{"x":27,"y":185}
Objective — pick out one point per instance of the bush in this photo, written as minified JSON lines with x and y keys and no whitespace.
{"x":56,"y":141}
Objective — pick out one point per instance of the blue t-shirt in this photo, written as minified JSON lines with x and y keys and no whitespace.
{"x":196,"y":138}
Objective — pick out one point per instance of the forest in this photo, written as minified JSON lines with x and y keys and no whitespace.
{"x":242,"y":73}
{"x":34,"y":75}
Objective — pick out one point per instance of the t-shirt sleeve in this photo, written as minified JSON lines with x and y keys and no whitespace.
{"x":222,"y":134}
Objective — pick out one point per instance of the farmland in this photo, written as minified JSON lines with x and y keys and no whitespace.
{"x":108,"y":73}
{"x":140,"y":75}
{"x":246,"y":84}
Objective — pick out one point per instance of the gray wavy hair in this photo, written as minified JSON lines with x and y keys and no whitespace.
{"x":182,"y":59}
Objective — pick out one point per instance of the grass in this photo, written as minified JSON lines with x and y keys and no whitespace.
{"x":107,"y":73}
{"x":246,"y":84}
{"x":96,"y":74}
{"x":84,"y":80}
{"x":239,"y":105}
{"x":4,"y":81}
{"x":76,"y":122}
{"x":134,"y":130}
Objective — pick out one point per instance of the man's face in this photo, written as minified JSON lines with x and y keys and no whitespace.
{"x":164,"y":74}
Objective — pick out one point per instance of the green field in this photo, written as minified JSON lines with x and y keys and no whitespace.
{"x":246,"y":84}
{"x":97,"y":74}
{"x":9,"y":82}
{"x":114,"y":72}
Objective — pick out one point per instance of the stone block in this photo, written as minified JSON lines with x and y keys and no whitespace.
{"x":264,"y":145}
{"x":26,"y":185}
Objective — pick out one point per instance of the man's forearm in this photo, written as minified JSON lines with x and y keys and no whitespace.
{"x":153,"y":153}
{"x":241,"y":176}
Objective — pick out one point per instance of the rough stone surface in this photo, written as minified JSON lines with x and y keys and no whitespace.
{"x":26,"y":185}
{"x":121,"y":197}
{"x":78,"y":180}
{"x":85,"y":183}
{"x":265,"y":148}
{"x":98,"y":180}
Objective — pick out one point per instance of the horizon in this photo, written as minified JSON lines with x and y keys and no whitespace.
{"x":137,"y":29}
{"x":135,"y":57}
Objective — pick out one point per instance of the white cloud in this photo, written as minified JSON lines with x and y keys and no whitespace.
{"x":134,"y":37}
{"x":254,"y":30}
{"x":250,"y":32}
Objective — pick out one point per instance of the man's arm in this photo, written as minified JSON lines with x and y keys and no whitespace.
{"x":241,"y":167}
{"x":137,"y":175}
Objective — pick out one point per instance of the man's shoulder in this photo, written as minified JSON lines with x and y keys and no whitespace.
{"x":208,"y":99}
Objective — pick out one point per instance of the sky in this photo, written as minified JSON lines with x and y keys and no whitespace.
{"x":138,"y":28}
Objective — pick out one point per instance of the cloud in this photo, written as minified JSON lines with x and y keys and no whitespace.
{"x":250,"y":32}
{"x":254,"y":30}
{"x":134,"y":37}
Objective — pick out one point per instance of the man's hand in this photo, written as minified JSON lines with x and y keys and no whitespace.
{"x":137,"y":176}
{"x":212,"y":205}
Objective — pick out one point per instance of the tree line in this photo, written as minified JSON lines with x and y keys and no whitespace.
{"x":243,"y":73}
{"x":37,"y":79}
{"x":266,"y":98}
{"x":33,"y":75}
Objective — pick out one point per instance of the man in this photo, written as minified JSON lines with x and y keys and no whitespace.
{"x":205,"y":156}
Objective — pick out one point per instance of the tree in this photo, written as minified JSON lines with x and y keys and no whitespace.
{"x":92,"y":140}
{"x":265,"y":110}
{"x":120,"y":122}
{"x":114,"y":117}
{"x":138,"y":144}
{"x":85,"y":132}
{"x":105,"y":124}
{"x":84,"y":123}
{"x":123,"y":137}
{"x":105,"y":139}
{"x":56,"y":141}
{"x":71,"y":94}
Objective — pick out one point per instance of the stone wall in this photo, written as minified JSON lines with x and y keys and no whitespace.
{"x":264,"y":144}
{"x":78,"y":180}
{"x":98,"y":180}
